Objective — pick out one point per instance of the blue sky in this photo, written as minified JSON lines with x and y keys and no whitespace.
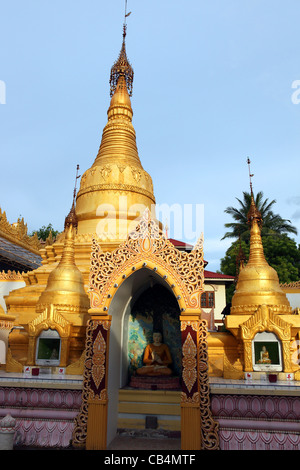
{"x":213,"y":85}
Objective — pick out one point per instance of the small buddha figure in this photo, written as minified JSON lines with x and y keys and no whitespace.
{"x":157,"y":358}
{"x":264,"y":356}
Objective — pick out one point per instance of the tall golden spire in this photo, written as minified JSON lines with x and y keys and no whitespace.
{"x":258,"y":282}
{"x":122,"y":66}
{"x":116,"y":190}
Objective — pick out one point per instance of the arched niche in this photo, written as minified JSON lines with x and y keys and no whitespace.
{"x":48,"y":348}
{"x":121,"y":308}
{"x":155,"y":309}
{"x":266,"y":352}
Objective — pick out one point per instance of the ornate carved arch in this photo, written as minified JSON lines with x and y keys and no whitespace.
{"x":148,"y":247}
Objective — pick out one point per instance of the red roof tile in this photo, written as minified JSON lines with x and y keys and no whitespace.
{"x":212,"y":275}
{"x":179,"y":243}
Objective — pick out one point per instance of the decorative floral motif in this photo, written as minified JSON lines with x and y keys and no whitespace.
{"x":195,"y":388}
{"x":94,"y":387}
{"x":147,"y":241}
{"x":189,"y":362}
{"x":98,"y":367}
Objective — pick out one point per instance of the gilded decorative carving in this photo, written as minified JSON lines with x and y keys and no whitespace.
{"x":136,"y":173}
{"x":266,"y":320}
{"x":146,"y":242}
{"x":116,"y":187}
{"x":17,"y":233}
{"x":105,"y":171}
{"x":49,"y":318}
{"x":195,"y":383}
{"x":6,"y":324}
{"x":121,"y":168}
{"x":209,"y":427}
{"x":63,"y":308}
{"x":189,"y":362}
{"x":291,"y":285}
{"x":98,"y":367}
{"x":11,"y":276}
{"x":252,"y":308}
{"x":94,"y":377}
{"x":121,"y":67}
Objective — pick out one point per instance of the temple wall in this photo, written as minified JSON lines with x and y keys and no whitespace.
{"x":257,"y":422}
{"x":44,"y":416}
{"x":250,"y":417}
{"x":6,"y":286}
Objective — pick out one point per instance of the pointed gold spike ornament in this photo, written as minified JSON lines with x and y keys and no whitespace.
{"x":121,"y":67}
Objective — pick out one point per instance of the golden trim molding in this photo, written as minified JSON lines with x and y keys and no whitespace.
{"x":11,"y":276}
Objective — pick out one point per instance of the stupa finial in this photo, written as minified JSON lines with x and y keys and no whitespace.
{"x":253,"y":211}
{"x":122,"y":66}
{"x":250,"y":175}
{"x":71,"y":217}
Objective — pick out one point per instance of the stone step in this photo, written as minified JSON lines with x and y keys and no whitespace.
{"x":139,"y":409}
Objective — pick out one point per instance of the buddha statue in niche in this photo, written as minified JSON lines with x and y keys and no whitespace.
{"x":264,"y":356}
{"x":157,"y":358}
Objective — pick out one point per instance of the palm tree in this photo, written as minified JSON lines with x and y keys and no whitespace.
{"x":273,"y":224}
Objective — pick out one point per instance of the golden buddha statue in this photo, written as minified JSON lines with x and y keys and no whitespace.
{"x":157,"y":358}
{"x":264,"y":356}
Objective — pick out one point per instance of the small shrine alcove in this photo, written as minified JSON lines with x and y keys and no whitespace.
{"x":142,"y":304}
{"x":266,"y":352}
{"x":121,"y":282}
{"x":155,"y":309}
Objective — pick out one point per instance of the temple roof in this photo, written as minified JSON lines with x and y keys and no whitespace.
{"x":218,"y":276}
{"x":17,"y":257}
{"x":181,"y":245}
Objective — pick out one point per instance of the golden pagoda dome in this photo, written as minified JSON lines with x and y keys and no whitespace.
{"x":116,"y":190}
{"x":258,"y":282}
{"x":65,"y":286}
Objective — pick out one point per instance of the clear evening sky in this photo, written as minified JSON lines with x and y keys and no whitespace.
{"x":215,"y":82}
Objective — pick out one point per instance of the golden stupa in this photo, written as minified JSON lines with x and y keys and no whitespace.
{"x":65,"y":284}
{"x":113,"y":194}
{"x":116,"y":190}
{"x":258,"y":282}
{"x":260,"y":305}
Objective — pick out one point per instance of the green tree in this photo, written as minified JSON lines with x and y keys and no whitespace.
{"x":281,"y":252}
{"x":272,"y":223}
{"x":44,"y":232}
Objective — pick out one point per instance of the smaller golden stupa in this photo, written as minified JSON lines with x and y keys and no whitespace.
{"x":259,"y":305}
{"x":61,"y":311}
{"x":258,"y":282}
{"x":65,"y":286}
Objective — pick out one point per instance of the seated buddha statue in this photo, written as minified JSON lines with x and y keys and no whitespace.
{"x":157,"y":358}
{"x":264,"y":356}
